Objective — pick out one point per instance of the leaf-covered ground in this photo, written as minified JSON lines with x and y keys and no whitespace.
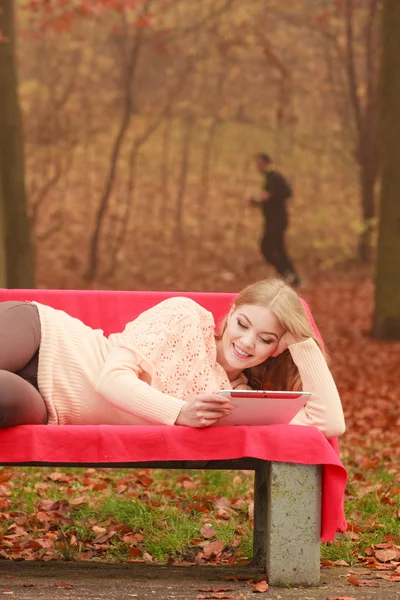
{"x":206,"y":517}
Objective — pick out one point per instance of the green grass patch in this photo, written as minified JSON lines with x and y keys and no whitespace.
{"x":120,"y":515}
{"x":156,"y":513}
{"x":372,"y":510}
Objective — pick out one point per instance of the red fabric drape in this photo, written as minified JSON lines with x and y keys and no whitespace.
{"x":110,"y":311}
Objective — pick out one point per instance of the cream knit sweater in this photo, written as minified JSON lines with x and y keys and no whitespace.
{"x":144,"y":375}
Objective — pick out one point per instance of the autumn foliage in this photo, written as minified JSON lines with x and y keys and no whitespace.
{"x":59,"y":16}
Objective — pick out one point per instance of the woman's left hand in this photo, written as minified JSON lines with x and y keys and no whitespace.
{"x":286,"y":340}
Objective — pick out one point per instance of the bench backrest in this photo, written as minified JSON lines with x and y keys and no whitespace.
{"x":111,"y":310}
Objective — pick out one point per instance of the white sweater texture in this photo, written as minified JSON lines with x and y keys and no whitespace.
{"x":144,"y":375}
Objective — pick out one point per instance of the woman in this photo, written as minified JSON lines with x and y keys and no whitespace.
{"x":165,"y":367}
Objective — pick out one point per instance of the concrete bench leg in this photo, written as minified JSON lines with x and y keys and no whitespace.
{"x":287,"y":520}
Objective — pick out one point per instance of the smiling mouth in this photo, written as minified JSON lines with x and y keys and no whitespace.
{"x":240,"y":353}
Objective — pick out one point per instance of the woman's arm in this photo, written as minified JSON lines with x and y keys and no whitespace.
{"x":324,"y":408}
{"x":120,"y":385}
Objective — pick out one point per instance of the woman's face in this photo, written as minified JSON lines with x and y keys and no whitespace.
{"x":251,"y":336}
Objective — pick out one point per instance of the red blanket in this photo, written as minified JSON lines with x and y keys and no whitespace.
{"x":124,"y":444}
{"x":110,"y":444}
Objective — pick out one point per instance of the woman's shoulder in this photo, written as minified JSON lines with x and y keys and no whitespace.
{"x":176,"y":320}
{"x":169,"y":314}
{"x":181,"y":307}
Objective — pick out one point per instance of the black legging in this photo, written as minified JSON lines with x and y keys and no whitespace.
{"x":20,"y":336}
{"x":274,"y":249}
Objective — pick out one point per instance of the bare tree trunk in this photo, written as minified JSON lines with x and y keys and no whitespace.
{"x":387,"y":282}
{"x":362,"y":119}
{"x":3,"y":246}
{"x":165,"y":165}
{"x":367,"y":123}
{"x":19,"y":255}
{"x":208,"y":154}
{"x":127,"y":209}
{"x":205,"y":181}
{"x":367,"y":181}
{"x":188,"y":126}
{"x":135,"y":147}
{"x":118,"y":142}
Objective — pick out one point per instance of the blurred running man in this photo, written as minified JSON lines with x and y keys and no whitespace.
{"x":275,"y":191}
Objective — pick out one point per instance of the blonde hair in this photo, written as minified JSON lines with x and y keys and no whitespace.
{"x":280,"y":372}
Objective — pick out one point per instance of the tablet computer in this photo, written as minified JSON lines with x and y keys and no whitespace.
{"x":263,"y":407}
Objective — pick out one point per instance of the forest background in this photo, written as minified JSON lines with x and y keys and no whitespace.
{"x":141,"y":125}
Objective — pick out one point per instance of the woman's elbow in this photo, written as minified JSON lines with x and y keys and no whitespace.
{"x":341,"y":429}
{"x":103,"y":385}
{"x":335,"y":429}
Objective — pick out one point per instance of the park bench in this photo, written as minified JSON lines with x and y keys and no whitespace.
{"x":299,"y":479}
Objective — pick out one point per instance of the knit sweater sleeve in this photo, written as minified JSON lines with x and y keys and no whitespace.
{"x":120,"y":385}
{"x":323,"y":409}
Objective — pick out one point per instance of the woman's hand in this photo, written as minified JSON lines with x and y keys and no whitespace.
{"x":204,"y":410}
{"x":286,"y":340}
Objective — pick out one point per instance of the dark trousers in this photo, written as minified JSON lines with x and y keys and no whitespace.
{"x":273,"y":248}
{"x":20,"y":336}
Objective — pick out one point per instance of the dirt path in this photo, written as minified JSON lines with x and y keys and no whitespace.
{"x":94,"y":581}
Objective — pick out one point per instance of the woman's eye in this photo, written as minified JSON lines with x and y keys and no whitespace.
{"x":266,"y":341}
{"x":241,"y":324}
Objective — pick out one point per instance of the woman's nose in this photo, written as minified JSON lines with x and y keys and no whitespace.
{"x":248,"y":340}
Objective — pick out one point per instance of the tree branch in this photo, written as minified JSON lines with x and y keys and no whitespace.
{"x":125,"y":121}
{"x":351,"y":70}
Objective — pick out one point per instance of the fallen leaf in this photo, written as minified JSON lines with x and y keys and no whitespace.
{"x":261,"y":586}
{"x":386,"y":555}
{"x":64,"y":585}
{"x":362,"y":582}
{"x":187,"y":484}
{"x":148,"y":556}
{"x":98,"y":529}
{"x":221,"y":596}
{"x":56,"y":476}
{"x":211,"y":548}
{"x":78,"y":500}
{"x":224,"y":514}
{"x":103,"y":538}
{"x":197,"y":542}
{"x":218,"y":589}
{"x":341,"y":598}
{"x":207,"y":531}
{"x":393,"y":577}
{"x":251,"y":510}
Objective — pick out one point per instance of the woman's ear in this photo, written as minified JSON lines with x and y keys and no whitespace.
{"x":277,"y":352}
{"x":281,"y":346}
